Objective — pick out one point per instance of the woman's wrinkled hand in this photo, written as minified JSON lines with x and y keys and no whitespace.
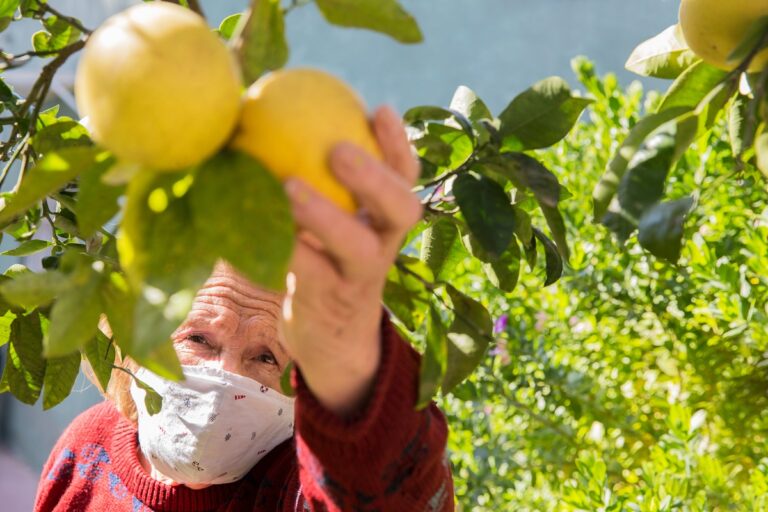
{"x":332,"y":310}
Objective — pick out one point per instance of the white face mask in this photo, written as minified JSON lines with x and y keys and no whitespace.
{"x":213,"y":427}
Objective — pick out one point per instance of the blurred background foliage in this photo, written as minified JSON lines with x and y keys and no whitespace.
{"x":632,"y":384}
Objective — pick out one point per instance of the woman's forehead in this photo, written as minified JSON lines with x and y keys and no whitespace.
{"x":227,"y":294}
{"x":225,"y":278}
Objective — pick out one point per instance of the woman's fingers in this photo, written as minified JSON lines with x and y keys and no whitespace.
{"x":394,"y":144}
{"x":360,"y":247}
{"x":385,"y":195}
{"x":352,"y":245}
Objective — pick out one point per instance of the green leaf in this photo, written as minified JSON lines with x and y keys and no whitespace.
{"x":285,"y":380}
{"x":27,"y":247}
{"x":6,"y":319}
{"x":7,"y":96}
{"x":528,"y":173}
{"x":468,"y":338}
{"x":96,"y":201}
{"x":445,"y":146}
{"x":164,"y":255}
{"x":665,"y":55}
{"x":466,"y":102}
{"x":692,"y":86}
{"x":661,"y":228}
{"x":741,"y":132}
{"x":523,"y":226}
{"x":119,"y":304}
{"x":152,"y":399}
{"x":100,"y":353}
{"x":525,"y":172}
{"x":553,"y":260}
{"x":426,"y":113}
{"x":557,"y":228}
{"x":121,"y":307}
{"x":8,"y":8}
{"x":406,"y":293}
{"x":710,"y":107}
{"x":504,"y":273}
{"x":609,"y":182}
{"x":543,"y":114}
{"x":487,"y":210}
{"x":260,"y":39}
{"x":50,"y":174}
{"x":58,"y":33}
{"x":261,"y":248}
{"x":60,"y":375}
{"x":30,"y":7}
{"x":441,"y":247}
{"x":25,"y":367}
{"x":228,"y":25}
{"x":385,"y":16}
{"x":434,"y":359}
{"x":643,"y":185}
{"x":31,"y":290}
{"x":62,"y":133}
{"x":75,"y":314}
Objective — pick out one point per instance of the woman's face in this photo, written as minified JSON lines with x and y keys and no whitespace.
{"x":233,"y":325}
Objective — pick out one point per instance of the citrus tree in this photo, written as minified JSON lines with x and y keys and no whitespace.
{"x":120,"y":214}
{"x":636,"y":383}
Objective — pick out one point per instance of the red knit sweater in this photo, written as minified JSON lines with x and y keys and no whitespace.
{"x":387,"y":458}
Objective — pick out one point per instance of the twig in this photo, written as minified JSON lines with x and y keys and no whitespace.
{"x":293,"y":5}
{"x":443,"y":177}
{"x":193,"y":5}
{"x":47,"y":215}
{"x":13,"y":158}
{"x":43,"y":82}
{"x":45,"y":7}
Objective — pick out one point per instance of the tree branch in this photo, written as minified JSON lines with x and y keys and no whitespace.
{"x":43,"y":83}
{"x":45,"y":7}
{"x":193,"y":5}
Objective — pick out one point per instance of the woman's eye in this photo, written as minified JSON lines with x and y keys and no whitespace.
{"x":197,"y":338}
{"x":268,"y":358}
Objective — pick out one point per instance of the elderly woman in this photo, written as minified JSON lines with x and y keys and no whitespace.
{"x":225,"y":437}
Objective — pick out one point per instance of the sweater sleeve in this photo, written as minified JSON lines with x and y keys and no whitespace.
{"x":387,"y":457}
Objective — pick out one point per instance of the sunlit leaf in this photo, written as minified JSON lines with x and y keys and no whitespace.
{"x":60,"y":375}
{"x":385,"y":16}
{"x":543,"y":114}
{"x":665,"y":55}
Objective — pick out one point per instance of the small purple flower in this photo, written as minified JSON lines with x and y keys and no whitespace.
{"x":501,"y":324}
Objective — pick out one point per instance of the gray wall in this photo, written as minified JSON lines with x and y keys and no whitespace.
{"x":497,"y":47}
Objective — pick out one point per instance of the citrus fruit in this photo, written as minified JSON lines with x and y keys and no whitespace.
{"x":160,"y":89}
{"x":290,"y":121}
{"x":713,"y":29}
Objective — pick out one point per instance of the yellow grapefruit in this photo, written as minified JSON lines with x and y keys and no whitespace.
{"x":292,"y":118}
{"x":160,"y":89}
{"x":714,"y":28}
